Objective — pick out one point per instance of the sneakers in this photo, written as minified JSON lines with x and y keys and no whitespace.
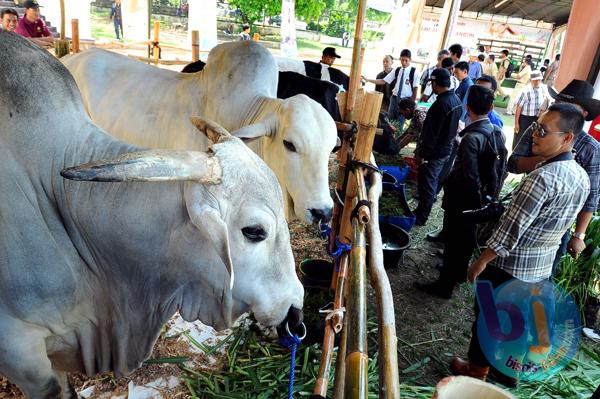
{"x":435,"y":289}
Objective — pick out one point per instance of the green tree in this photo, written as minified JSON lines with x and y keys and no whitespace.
{"x":311,"y":10}
{"x":255,"y":10}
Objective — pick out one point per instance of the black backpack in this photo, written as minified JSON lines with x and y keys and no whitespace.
{"x":509,"y":69}
{"x":496,"y":144}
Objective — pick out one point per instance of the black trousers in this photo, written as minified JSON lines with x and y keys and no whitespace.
{"x":496,"y":277}
{"x":427,"y":186}
{"x":459,"y":243}
{"x":524,"y":123}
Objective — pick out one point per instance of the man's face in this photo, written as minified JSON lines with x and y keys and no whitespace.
{"x":407,"y":113}
{"x":327,"y":59}
{"x":387,"y":63}
{"x":536,"y":83}
{"x":9,"y":22}
{"x":405,"y":61}
{"x":554,"y":142}
{"x":460,"y":74}
{"x":439,"y":64}
{"x":451,"y":70}
{"x":32,"y":14}
{"x":472,"y":59}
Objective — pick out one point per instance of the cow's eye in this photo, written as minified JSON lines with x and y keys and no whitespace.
{"x":254,"y":233}
{"x":289,"y":146}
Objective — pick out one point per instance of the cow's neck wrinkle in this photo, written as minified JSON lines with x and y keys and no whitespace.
{"x":127,"y":290}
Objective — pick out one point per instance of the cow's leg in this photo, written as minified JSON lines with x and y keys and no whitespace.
{"x":23,"y":360}
{"x":68,"y":392}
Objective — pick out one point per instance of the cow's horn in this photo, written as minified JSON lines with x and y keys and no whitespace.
{"x":154,"y":165}
{"x":215,"y":132}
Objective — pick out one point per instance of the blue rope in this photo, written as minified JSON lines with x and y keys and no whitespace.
{"x":291,"y":341}
{"x":325,"y":230}
{"x":340,"y":248}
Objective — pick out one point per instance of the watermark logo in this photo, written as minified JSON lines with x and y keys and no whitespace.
{"x":527,"y":331}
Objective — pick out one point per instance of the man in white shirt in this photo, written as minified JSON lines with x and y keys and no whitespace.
{"x":428,"y":94}
{"x":406,"y":80}
{"x":533,"y":100}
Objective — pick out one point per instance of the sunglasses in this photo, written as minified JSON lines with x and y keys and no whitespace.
{"x":537,"y":128}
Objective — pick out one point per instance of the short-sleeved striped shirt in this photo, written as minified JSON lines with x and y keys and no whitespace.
{"x":543,"y":207}
{"x":532,"y":98}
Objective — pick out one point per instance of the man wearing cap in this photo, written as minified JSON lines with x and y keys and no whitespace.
{"x":33,"y":27}
{"x":323,"y":69}
{"x":532,"y":101}
{"x":435,"y":143}
{"x":587,"y":154}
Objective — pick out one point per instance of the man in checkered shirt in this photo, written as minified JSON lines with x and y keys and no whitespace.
{"x":533,"y":99}
{"x":544,"y":206}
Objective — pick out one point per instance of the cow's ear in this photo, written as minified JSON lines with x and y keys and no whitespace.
{"x":266,"y":128}
{"x":215,"y":132}
{"x":207,"y":218}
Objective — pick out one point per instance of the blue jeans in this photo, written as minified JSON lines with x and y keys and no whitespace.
{"x":427,"y":185}
{"x":118,"y":27}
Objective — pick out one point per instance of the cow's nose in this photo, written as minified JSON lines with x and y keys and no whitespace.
{"x":294,"y":318}
{"x":321,"y":215}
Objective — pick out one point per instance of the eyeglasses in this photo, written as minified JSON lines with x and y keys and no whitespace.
{"x":537,"y":128}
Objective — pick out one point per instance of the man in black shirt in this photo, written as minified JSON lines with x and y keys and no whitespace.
{"x":435,"y":142}
{"x":471,"y":179}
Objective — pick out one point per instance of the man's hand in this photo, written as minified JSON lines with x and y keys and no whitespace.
{"x":517,"y":128}
{"x":575,"y":247}
{"x":475,"y":270}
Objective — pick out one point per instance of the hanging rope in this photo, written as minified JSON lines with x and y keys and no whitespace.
{"x":292,"y":341}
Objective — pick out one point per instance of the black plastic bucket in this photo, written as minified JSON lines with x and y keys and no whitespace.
{"x":316,"y":274}
{"x":388,"y":181}
{"x":395,"y":241}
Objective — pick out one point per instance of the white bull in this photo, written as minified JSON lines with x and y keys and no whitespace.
{"x":147,"y":106}
{"x":90,"y":271}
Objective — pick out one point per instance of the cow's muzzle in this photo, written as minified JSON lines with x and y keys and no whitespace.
{"x":321,"y":215}
{"x":292,"y":324}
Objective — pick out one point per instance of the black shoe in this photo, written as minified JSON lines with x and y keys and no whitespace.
{"x":435,"y":289}
{"x":435,"y":236}
{"x":439,"y":266}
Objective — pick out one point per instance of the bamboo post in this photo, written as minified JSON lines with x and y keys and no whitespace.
{"x":156,"y":48}
{"x":61,"y":45}
{"x":75,"y":35}
{"x":340,"y":366}
{"x":195,"y":45}
{"x":333,"y":325}
{"x":355,"y":71}
{"x":389,"y":383}
{"x":357,"y":357}
{"x":62,"y":19}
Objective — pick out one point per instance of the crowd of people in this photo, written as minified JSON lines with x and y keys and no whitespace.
{"x":460,"y":146}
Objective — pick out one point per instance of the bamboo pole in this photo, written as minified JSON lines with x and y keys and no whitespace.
{"x":61,"y":45}
{"x":156,"y":48}
{"x":357,"y":357}
{"x":340,"y":365}
{"x":333,"y":325}
{"x":355,"y":71}
{"x":62,"y":19}
{"x":75,"y":35}
{"x":389,"y":383}
{"x":195,"y":45}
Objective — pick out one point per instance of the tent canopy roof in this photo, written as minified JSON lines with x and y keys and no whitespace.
{"x":551,"y":11}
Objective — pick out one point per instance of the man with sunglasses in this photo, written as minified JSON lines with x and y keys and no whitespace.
{"x":587,"y":154}
{"x":543,"y":207}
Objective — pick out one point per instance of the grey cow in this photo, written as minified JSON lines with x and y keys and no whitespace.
{"x":91,"y":270}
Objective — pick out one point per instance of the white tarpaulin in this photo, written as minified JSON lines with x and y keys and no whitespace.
{"x":74,"y":9}
{"x":383,"y":5}
{"x":135,"y":19}
{"x":202,"y":16}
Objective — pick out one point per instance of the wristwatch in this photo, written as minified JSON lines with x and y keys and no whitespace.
{"x":581,"y":236}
